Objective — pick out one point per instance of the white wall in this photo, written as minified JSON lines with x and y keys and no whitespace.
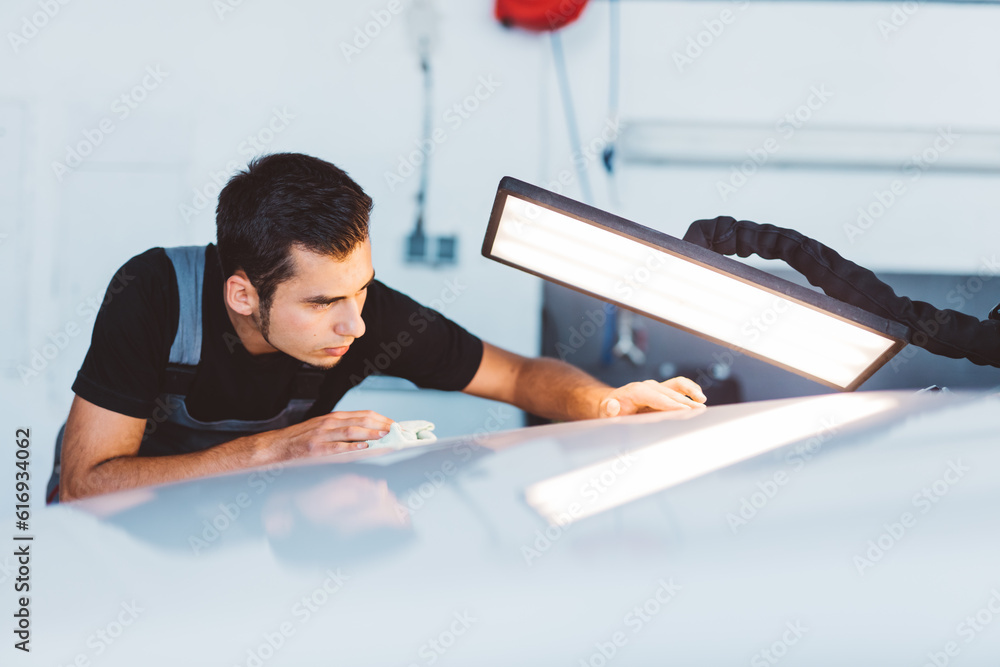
{"x":226,"y":76}
{"x":934,"y":71}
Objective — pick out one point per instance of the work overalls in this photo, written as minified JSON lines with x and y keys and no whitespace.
{"x":170,"y":429}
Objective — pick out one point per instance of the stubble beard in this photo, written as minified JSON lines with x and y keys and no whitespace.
{"x":263,"y":323}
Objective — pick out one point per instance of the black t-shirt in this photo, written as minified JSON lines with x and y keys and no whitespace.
{"x":124,"y":370}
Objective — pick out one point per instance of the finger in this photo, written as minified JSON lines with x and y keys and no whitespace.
{"x":350,"y":446}
{"x":379,"y":424}
{"x":657,"y":397}
{"x":679,"y":396}
{"x":355,"y":433}
{"x":342,"y":447}
{"x":370,"y":416}
{"x":610,"y":407}
{"x":686,"y":387}
{"x":320,"y":448}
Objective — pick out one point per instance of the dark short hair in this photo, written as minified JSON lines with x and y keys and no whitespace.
{"x":281,"y":200}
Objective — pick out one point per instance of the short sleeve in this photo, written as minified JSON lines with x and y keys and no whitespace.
{"x":130,"y":344}
{"x":419,"y":343}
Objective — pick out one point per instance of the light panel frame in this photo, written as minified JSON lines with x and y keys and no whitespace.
{"x":895,"y":333}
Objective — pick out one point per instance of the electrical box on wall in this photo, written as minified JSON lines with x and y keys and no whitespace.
{"x":431,"y":250}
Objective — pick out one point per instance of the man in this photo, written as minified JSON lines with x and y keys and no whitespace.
{"x":219,"y":358}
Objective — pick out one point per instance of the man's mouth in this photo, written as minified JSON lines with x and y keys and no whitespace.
{"x":336,"y":351}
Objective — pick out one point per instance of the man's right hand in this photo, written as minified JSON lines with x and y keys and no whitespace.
{"x":100,"y":451}
{"x":331,"y":433}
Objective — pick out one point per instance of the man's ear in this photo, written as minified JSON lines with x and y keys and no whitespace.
{"x":240,"y":294}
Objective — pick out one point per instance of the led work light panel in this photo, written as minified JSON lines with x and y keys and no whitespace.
{"x":687,"y":286}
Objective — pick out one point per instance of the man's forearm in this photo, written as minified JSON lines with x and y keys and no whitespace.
{"x":129,"y":472}
{"x":556,"y":390}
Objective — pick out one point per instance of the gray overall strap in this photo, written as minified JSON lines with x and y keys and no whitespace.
{"x":189,"y":265}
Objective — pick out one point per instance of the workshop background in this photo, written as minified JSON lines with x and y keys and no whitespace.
{"x":120,"y":121}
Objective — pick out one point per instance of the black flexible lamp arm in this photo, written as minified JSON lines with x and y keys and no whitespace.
{"x":948,"y":333}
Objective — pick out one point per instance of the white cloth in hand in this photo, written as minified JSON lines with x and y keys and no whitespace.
{"x":405,"y":434}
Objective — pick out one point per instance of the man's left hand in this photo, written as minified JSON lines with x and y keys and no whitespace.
{"x":677,"y":393}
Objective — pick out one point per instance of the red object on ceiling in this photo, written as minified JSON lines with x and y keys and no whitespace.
{"x":538,"y":15}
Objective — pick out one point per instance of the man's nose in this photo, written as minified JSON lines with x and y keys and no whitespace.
{"x":352,"y":326}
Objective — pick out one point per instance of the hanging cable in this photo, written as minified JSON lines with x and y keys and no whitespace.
{"x":614,"y":80}
{"x":949,"y":333}
{"x":608,"y":156}
{"x":562,"y":74}
{"x":614,"y":83}
{"x":417,"y":241}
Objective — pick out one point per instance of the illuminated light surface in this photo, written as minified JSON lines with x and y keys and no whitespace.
{"x":686,"y":293}
{"x":573,"y":496}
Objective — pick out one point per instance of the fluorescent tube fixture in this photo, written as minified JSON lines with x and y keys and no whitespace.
{"x":723,"y":144}
{"x":688,"y":287}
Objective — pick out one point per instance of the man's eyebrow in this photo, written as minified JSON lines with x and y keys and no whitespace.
{"x":322,"y":300}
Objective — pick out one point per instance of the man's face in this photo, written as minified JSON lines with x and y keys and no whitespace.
{"x":316,"y":314}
